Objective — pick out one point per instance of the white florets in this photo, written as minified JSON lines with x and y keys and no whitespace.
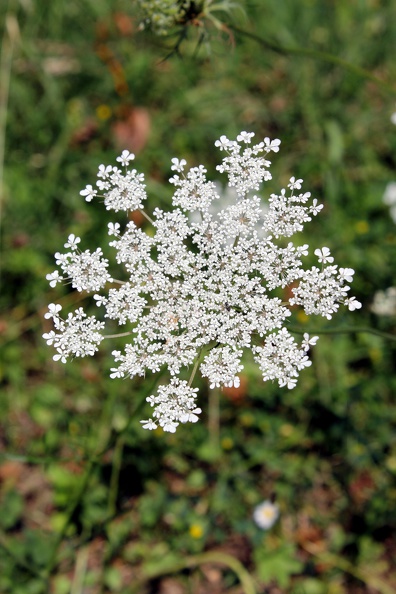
{"x":201,"y":286}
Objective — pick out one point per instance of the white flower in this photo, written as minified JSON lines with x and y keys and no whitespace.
{"x":100,"y":300}
{"x":148,"y":424}
{"x":353,"y":304}
{"x":221,"y":365}
{"x":266,"y":514}
{"x":178,"y":165}
{"x":245,"y":137}
{"x":324,"y":255}
{"x":389,"y":196}
{"x":393,"y":118}
{"x":198,"y":290}
{"x":315,"y":207}
{"x":346,"y":274}
{"x":114,"y":229}
{"x":384,"y":303}
{"x":49,"y":337}
{"x":125,"y":157}
{"x":103,"y":172}
{"x":280,"y":358}
{"x":53,"y":310}
{"x":295,"y":184}
{"x":54,"y":278}
{"x":272,"y":145}
{"x":309,"y":341}
{"x":89,"y":193}
{"x":223,"y":143}
{"x":60,"y":357}
{"x":72,"y":242}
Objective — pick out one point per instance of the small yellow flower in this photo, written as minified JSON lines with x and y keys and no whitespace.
{"x":286,"y":430}
{"x":196,"y":531}
{"x":361,"y":227}
{"x":103,"y":112}
{"x":302,"y":317}
{"x":227,"y":443}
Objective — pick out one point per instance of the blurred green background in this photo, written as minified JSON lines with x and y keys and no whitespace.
{"x":91,"y":503}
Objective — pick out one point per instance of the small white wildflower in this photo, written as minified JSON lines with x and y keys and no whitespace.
{"x":303,"y":250}
{"x":149,"y":424}
{"x":116,"y":373}
{"x":190,"y":416}
{"x":315,"y":207}
{"x":178,"y":165}
{"x":272,"y":145}
{"x":223,"y":143}
{"x":114,"y":228}
{"x":72,"y":242}
{"x":103,"y":172}
{"x":309,"y":341}
{"x":324,"y":255}
{"x":53,"y":310}
{"x":294,"y":184}
{"x":125,"y":158}
{"x":245,"y":137}
{"x":100,"y":300}
{"x":346,"y":274}
{"x":89,"y":193}
{"x":266,"y":514}
{"x":49,"y":337}
{"x":353,"y":304}
{"x":54,"y":278}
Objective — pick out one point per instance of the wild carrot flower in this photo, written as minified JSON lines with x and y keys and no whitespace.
{"x":203,"y":286}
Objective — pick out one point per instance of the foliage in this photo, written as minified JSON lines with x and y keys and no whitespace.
{"x":89,"y":501}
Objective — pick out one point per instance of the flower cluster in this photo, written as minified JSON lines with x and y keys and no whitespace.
{"x":204,"y":285}
{"x":162,"y":16}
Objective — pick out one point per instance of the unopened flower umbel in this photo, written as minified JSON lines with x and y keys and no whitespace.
{"x":200,"y":290}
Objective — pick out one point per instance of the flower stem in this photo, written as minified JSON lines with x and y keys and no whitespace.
{"x":344,"y":330}
{"x":318,"y":55}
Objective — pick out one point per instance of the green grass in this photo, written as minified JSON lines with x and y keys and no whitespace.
{"x":90,"y":502}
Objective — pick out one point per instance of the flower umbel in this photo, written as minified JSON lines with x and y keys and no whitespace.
{"x":199,"y":289}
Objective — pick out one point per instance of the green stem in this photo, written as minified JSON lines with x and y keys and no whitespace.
{"x":117,"y":335}
{"x":317,"y":55}
{"x":144,"y":213}
{"x":69,"y":514}
{"x":103,"y":438}
{"x":10,"y":37}
{"x":372,"y":581}
{"x":115,"y":476}
{"x":214,"y":418}
{"x":19,"y":562}
{"x":194,"y":371}
{"x":345,"y":330}
{"x":214,"y":557}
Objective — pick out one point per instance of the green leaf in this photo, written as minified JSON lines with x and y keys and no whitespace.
{"x":11,"y":509}
{"x":278,"y":565}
